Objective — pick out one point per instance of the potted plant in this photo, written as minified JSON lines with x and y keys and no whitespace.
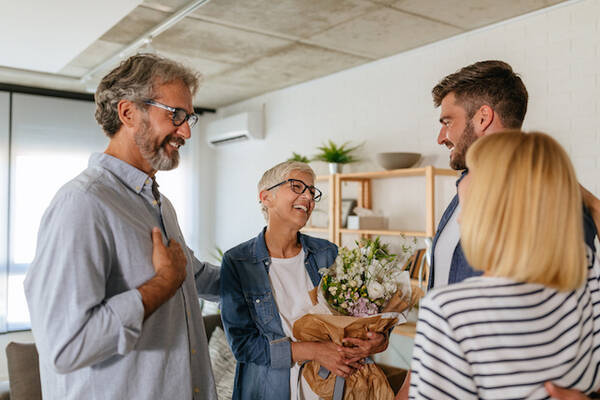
{"x":299,"y":157}
{"x":336,"y":155}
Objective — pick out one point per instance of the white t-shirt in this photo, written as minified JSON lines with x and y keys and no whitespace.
{"x":290,"y":283}
{"x":444,"y":250}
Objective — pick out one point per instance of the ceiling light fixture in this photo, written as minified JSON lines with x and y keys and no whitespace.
{"x":145,"y":39}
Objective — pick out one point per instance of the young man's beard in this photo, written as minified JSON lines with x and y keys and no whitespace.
{"x":156,"y":155}
{"x":458,"y":157}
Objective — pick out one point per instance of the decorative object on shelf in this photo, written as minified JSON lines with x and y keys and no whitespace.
{"x":418,"y":267}
{"x":366,"y":219}
{"x":298,"y":157}
{"x":336,"y":155}
{"x":347,"y":209}
{"x":397,"y":160}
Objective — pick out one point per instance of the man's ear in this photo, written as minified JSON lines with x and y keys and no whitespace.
{"x":129,"y":113}
{"x":483,"y":119}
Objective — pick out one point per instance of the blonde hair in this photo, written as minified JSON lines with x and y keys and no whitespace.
{"x":522,"y":218}
{"x":278,"y":174}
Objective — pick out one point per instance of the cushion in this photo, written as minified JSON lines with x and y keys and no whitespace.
{"x":223,"y":363}
{"x":23,"y":371}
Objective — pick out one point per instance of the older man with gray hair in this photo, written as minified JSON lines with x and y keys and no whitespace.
{"x":115,"y":311}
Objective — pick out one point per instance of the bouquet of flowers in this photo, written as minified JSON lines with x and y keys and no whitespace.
{"x":365,"y":290}
{"x":363,"y":280}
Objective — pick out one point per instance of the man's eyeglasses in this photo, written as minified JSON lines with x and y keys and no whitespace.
{"x":179,"y":114}
{"x":300,"y":187}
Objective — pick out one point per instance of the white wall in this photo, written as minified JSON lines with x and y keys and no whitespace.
{"x":387,"y":104}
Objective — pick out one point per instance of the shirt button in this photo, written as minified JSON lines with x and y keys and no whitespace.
{"x":196,"y":390}
{"x":193,"y":351}
{"x":258,"y":300}
{"x":154,"y":202}
{"x":189,"y":314}
{"x":147,"y":181}
{"x":137,"y":188}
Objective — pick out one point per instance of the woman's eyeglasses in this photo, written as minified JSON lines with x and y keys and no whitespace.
{"x":300,"y":187}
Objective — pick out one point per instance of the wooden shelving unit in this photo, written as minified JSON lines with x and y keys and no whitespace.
{"x":364,"y":179}
{"x":335,"y":230}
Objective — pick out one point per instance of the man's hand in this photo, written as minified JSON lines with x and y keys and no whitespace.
{"x":169,"y":264}
{"x":403,"y":392}
{"x":359,"y":348}
{"x":564,"y":394}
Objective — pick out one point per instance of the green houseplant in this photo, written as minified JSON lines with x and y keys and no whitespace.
{"x":336,"y":155}
{"x":299,"y":157}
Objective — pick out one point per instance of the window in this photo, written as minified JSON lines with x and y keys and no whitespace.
{"x":51,"y":140}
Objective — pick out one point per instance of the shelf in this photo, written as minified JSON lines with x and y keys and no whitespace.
{"x":359,"y":176}
{"x":408,"y":329}
{"x":383,"y":232}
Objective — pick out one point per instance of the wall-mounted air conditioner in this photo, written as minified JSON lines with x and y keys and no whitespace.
{"x":244,"y":126}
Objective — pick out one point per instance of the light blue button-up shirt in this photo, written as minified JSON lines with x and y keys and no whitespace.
{"x":94,"y":249}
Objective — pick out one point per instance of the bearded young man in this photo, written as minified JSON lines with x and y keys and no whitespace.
{"x":480,"y":99}
{"x":115,"y":311}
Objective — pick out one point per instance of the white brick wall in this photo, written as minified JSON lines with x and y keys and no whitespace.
{"x":388,"y":105}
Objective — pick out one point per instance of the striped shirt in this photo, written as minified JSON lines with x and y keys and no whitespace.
{"x":494,"y":338}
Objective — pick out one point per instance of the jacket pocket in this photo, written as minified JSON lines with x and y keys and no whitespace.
{"x":261,"y":306}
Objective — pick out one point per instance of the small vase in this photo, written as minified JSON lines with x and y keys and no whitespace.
{"x":335,"y":168}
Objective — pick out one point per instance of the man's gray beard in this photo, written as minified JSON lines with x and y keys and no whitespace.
{"x":157,"y":157}
{"x":466,"y":140}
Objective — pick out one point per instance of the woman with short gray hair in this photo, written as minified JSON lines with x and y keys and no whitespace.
{"x":264,"y":290}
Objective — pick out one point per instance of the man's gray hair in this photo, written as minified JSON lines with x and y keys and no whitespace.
{"x":280,"y":173}
{"x":136,"y":79}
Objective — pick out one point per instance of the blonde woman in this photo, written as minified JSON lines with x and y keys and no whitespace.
{"x":533,"y":315}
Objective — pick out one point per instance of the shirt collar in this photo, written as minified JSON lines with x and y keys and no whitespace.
{"x":126,"y":173}
{"x":462,"y":176}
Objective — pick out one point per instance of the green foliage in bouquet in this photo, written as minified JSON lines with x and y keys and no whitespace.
{"x":333,"y":153}
{"x":299,"y":157}
{"x":362,"y":280}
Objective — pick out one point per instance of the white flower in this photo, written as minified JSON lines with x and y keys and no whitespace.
{"x":344,"y":287}
{"x":332,"y":290}
{"x":390,"y":287}
{"x":375,"y":289}
{"x":344,"y":305}
{"x":352,"y":283}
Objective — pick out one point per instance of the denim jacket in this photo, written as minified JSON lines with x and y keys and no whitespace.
{"x":460,"y":268}
{"x":251,"y":319}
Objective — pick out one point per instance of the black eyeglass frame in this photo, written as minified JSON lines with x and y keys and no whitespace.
{"x":191,"y":118}
{"x":316,"y":193}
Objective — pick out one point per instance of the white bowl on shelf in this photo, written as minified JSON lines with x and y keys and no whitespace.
{"x":397,"y":160}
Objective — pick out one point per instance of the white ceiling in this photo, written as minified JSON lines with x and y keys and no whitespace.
{"x":46,"y":35}
{"x":242,"y":47}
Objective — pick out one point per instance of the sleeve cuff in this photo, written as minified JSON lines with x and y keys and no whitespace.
{"x":281,"y":353}
{"x":128,"y":307}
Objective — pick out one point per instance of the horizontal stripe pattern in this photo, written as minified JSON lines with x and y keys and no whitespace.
{"x":493,"y":338}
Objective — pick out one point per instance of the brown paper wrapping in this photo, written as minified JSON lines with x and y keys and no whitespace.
{"x":367,"y":383}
